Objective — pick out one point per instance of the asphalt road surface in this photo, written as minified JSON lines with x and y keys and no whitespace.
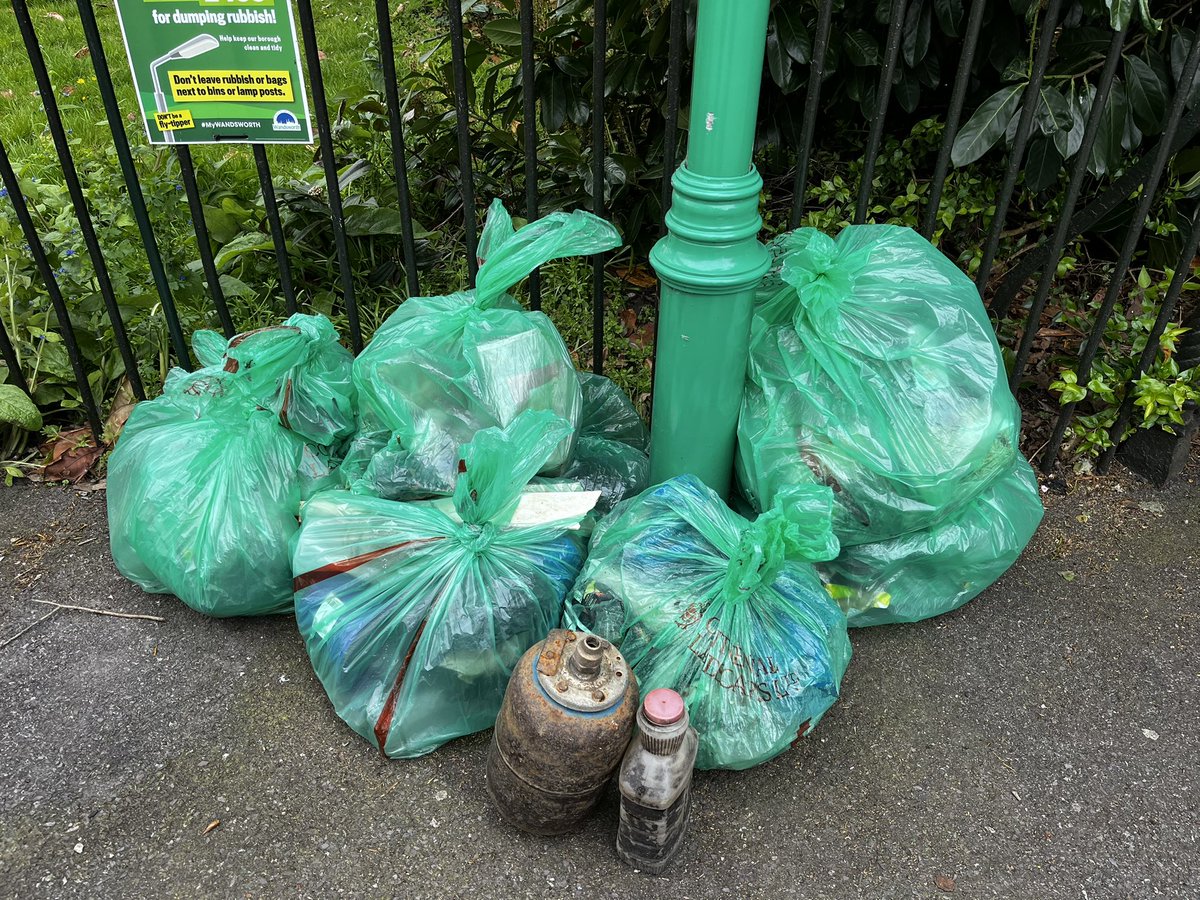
{"x":1041,"y":742}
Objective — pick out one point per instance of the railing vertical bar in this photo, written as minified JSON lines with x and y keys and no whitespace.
{"x":267,"y":186}
{"x":1063,"y":227}
{"x":136,"y":199}
{"x":812,"y":103}
{"x":529,"y":98}
{"x":953,"y":114}
{"x":78,"y":201}
{"x":1136,"y":224}
{"x":599,"y":49}
{"x":187,"y":173}
{"x":674,"y":90}
{"x":1165,"y":314}
{"x":8,"y":353}
{"x":1016,"y":153}
{"x":387,"y":56}
{"x":458,"y":65}
{"x":9,"y":179}
{"x":891,"y":52}
{"x":333,"y":190}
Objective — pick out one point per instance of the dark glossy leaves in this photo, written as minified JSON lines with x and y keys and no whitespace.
{"x":949,"y":16}
{"x":792,"y":33}
{"x":1152,"y":24}
{"x":1181,"y":43}
{"x":505,"y":31}
{"x":781,"y":65}
{"x":1053,"y":111}
{"x":986,"y":125}
{"x":1078,"y":48}
{"x":1119,"y":12}
{"x":915,"y":39}
{"x":1147,"y":95}
{"x":1106,"y":152}
{"x":861,"y":48}
{"x":907,"y":92}
{"x":1067,"y":140}
{"x":1042,"y":165}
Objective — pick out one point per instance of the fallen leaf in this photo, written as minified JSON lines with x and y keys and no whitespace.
{"x":215,"y":823}
{"x":1083,"y":519}
{"x":1153,"y":735}
{"x":72,"y":456}
{"x":637,"y":276}
{"x":82,"y":52}
{"x":68,"y":90}
{"x":122,"y":406}
{"x":57,"y":17}
{"x":944,"y":883}
{"x":1067,"y":576}
{"x":628,"y":319}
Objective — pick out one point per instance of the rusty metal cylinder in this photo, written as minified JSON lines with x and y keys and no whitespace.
{"x":566,"y":720}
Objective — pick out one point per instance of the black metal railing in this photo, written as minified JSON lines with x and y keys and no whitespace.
{"x":1141,"y":177}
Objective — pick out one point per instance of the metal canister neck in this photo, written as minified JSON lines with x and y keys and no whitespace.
{"x":581,"y":671}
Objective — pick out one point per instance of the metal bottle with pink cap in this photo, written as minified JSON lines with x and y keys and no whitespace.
{"x":656,"y":782}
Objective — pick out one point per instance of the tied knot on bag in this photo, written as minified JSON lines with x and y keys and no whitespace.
{"x":477,"y":538}
{"x":823,"y":277}
{"x":799,"y":528}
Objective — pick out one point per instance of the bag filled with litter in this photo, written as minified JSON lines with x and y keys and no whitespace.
{"x":936,"y":569}
{"x":442,"y":368}
{"x":297,"y":370}
{"x":729,"y":613}
{"x":414,"y":613}
{"x":611,"y":453}
{"x":206,"y":481}
{"x":873,"y":369}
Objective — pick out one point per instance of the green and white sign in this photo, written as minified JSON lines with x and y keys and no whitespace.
{"x":216,"y":70}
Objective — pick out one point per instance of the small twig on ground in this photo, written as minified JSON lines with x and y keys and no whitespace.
{"x":101,"y":612}
{"x":8,"y":641}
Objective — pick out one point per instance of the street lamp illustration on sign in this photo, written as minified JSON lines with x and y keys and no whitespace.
{"x":201,"y":43}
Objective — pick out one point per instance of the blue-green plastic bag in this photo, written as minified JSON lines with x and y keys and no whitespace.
{"x":297,"y":370}
{"x":206,"y":481}
{"x":414,"y":613}
{"x":611,"y":452}
{"x":873,"y":369}
{"x":729,"y":613}
{"x":936,"y":569}
{"x":441,"y":369}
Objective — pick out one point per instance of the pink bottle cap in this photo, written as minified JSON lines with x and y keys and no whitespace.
{"x":663,"y":707}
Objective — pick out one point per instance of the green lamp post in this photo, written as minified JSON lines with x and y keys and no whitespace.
{"x":710,"y":261}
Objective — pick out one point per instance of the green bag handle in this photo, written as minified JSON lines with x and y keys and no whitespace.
{"x":797,"y":528}
{"x":208,"y":347}
{"x":496,"y":466}
{"x":507,"y":256}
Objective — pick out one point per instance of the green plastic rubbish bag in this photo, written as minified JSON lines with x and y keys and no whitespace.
{"x":205,"y":483}
{"x":298,"y":370}
{"x":414,"y":613}
{"x":727,"y":612}
{"x":873,"y":369}
{"x":932,"y":571}
{"x":611,"y":453}
{"x":442,"y":368}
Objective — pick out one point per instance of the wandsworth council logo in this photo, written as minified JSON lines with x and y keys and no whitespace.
{"x":285,"y":121}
